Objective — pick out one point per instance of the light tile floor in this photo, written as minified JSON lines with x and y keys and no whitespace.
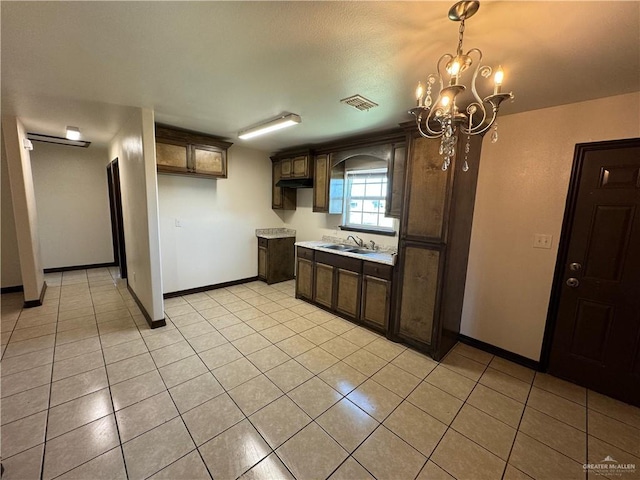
{"x":249,"y":382}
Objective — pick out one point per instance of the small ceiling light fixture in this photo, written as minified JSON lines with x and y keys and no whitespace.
{"x":283,"y":121}
{"x":73,"y":133}
{"x":442,"y":118}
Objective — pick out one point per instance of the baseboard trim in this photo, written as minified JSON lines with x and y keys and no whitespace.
{"x":16,"y":289}
{"x":189,"y":291}
{"x":80,"y":267}
{"x":500,"y":352}
{"x":152,"y":323}
{"x":36,"y":303}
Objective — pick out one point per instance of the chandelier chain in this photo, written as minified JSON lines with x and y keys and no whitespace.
{"x":460,"y":36}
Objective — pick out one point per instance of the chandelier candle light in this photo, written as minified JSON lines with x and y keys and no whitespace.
{"x":442,"y":118}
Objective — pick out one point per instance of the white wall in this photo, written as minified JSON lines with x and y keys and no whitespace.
{"x":311,"y":225}
{"x":522,"y":187}
{"x":216,"y":241}
{"x":24,"y":207}
{"x":73,"y":204}
{"x":134,"y":146}
{"x":10,"y":261}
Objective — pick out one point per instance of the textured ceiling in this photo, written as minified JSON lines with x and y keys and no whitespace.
{"x":219,"y":67}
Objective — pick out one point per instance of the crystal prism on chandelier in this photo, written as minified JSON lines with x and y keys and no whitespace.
{"x":442,"y":117}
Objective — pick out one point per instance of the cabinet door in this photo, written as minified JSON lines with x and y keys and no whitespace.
{"x":300,"y":167}
{"x":207,"y":160}
{"x":427,"y":190}
{"x":419,"y":288}
{"x":393,"y":207}
{"x":304,"y":279}
{"x":262,"y":263}
{"x":276,"y":192}
{"x":281,"y":198}
{"x":323,"y":285}
{"x":286,"y":168}
{"x":348,"y":293}
{"x":172,"y":156}
{"x":376,"y":296}
{"x":321,"y":183}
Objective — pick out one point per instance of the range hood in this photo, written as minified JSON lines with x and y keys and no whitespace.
{"x":295,"y":183}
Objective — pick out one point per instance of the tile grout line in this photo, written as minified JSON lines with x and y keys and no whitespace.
{"x":53,"y":360}
{"x":113,"y":407}
{"x":586,"y":453}
{"x":518,"y":428}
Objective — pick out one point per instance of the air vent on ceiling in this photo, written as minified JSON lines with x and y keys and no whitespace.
{"x":359,"y":102}
{"x":38,"y":137}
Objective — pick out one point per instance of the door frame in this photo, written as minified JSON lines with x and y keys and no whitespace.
{"x":565,"y":236}
{"x":117,"y":223}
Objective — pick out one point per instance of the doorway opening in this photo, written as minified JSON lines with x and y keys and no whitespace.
{"x":117,"y":224}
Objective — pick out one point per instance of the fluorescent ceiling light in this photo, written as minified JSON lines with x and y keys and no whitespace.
{"x":38,"y":137}
{"x":73,"y":133}
{"x":270,"y":126}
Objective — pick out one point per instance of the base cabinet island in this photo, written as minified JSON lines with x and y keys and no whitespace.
{"x":275,"y":254}
{"x":353,"y":282}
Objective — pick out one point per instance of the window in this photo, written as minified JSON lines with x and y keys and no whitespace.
{"x":365,"y":199}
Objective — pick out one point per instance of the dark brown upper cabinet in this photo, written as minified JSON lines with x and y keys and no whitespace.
{"x":395,"y":175}
{"x":328,"y":184}
{"x":292,"y":165}
{"x":322,"y":167}
{"x":330,"y":160}
{"x":296,"y":167}
{"x":183,"y":152}
{"x":325,"y":164}
{"x":281,"y":198}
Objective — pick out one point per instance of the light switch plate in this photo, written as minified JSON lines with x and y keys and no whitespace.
{"x":542,"y":240}
{"x":178,"y":223}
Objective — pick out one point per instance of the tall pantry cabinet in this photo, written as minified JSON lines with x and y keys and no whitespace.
{"x":433,"y":248}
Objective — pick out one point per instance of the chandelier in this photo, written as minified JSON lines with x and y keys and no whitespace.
{"x":442,"y":118}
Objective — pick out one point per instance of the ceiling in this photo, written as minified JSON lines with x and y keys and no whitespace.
{"x":219,"y":67}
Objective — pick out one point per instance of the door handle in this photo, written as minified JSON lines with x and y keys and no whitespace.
{"x":573,"y":282}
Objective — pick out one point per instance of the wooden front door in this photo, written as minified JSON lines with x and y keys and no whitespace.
{"x":596,"y":337}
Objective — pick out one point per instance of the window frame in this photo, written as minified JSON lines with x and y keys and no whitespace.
{"x":359,"y":227}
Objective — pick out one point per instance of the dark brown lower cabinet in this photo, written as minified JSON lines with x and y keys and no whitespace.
{"x":419,"y":288}
{"x":276,"y":259}
{"x":304,"y":273}
{"x":323,"y":284}
{"x":352,"y":288}
{"x":348,"y":288}
{"x":376,"y":295}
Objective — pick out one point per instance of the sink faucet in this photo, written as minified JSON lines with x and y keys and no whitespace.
{"x":358,"y":241}
{"x":373,"y":244}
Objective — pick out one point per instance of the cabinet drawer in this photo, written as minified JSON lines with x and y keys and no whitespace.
{"x":305,"y":253}
{"x":262,"y":242}
{"x":340,"y":261}
{"x":378,"y":270}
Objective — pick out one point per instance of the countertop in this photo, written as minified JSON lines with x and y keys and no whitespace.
{"x":275,"y":232}
{"x":377,"y":257}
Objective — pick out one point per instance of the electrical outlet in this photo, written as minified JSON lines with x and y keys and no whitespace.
{"x":542,"y":240}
